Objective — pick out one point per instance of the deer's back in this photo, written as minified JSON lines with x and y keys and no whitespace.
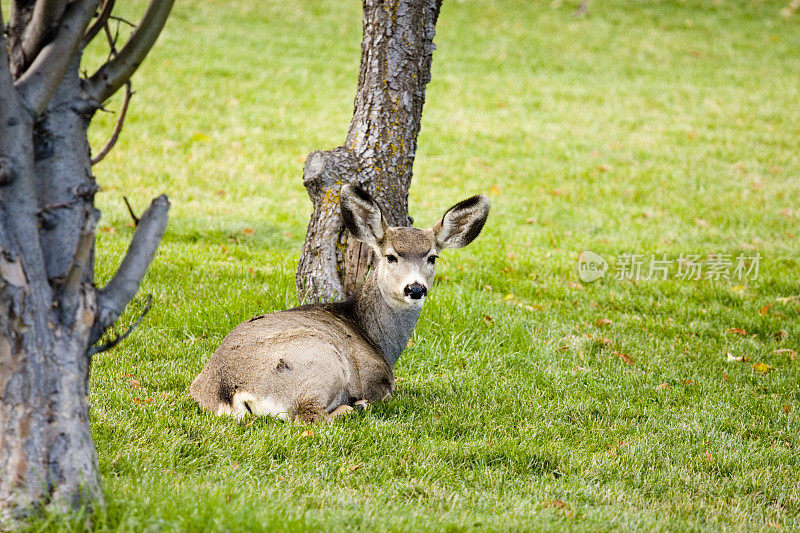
{"x":269,"y":363}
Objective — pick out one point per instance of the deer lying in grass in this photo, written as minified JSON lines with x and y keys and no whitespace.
{"x":317,"y":361}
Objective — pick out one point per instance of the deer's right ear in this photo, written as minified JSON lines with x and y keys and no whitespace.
{"x":362,"y":216}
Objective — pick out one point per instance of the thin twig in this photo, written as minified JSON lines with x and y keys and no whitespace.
{"x":123,"y":20}
{"x":130,"y":211}
{"x":583,"y":9}
{"x":117,"y":128}
{"x":94,"y":350}
{"x":97,"y":25}
{"x":112,"y":41}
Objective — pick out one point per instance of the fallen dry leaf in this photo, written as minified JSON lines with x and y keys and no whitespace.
{"x":307,"y":433}
{"x":489,"y":320}
{"x":764,"y":310}
{"x":664,"y":386}
{"x":495,"y":190}
{"x":737,"y":359}
{"x":603,"y":322}
{"x":787,"y":408}
{"x":555,"y":503}
{"x":738,"y":331}
{"x":780,"y":335}
{"x":136,"y":383}
{"x":791,"y":353}
{"x":787,"y":299}
{"x":248,"y":231}
{"x":625,"y":357}
{"x":762,"y":368}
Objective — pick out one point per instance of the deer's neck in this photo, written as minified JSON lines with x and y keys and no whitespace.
{"x":387,"y":327}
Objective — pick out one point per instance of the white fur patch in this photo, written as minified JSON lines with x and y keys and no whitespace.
{"x":258,"y":406}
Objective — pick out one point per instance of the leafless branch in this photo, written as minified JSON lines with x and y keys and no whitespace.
{"x":72,"y":283}
{"x":94,"y":350}
{"x":37,"y":85}
{"x":113,"y":298}
{"x":117,"y":128}
{"x":45,"y":14}
{"x":130,"y":211}
{"x":110,"y":77}
{"x":99,"y":23}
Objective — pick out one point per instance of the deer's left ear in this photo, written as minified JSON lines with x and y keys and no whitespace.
{"x":462,"y":223}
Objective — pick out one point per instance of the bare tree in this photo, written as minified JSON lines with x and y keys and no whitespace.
{"x":378,"y":153}
{"x":51,"y":314}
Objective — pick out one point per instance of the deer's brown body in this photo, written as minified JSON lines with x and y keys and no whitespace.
{"x":317,"y":361}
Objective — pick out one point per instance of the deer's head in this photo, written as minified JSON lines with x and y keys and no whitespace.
{"x":405,"y":257}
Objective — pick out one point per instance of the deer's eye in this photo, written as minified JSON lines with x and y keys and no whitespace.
{"x":391,"y":258}
{"x":432,"y":259}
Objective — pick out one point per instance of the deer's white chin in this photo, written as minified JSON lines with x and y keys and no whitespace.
{"x":405,"y":303}
{"x":412,"y":303}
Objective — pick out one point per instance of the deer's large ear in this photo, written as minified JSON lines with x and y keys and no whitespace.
{"x":362,"y":216}
{"x":462,"y":223}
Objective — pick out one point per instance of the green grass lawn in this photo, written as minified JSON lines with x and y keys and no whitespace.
{"x":661,"y":127}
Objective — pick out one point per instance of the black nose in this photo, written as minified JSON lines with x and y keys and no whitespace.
{"x":415,"y":290}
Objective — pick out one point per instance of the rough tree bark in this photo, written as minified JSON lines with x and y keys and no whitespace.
{"x":378,"y":153}
{"x":51,"y":314}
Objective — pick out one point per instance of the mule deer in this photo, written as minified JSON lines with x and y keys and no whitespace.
{"x":317,"y":361}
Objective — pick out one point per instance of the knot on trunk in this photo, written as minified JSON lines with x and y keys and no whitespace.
{"x":7,"y":173}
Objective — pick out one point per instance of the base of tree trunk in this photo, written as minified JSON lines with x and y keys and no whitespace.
{"x":46,"y":451}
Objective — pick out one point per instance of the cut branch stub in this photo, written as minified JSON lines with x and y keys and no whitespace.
{"x":317,"y":277}
{"x":115,"y":296}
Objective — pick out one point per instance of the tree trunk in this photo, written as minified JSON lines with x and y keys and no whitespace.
{"x":51,"y":314}
{"x":378,"y":153}
{"x":46,"y":448}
